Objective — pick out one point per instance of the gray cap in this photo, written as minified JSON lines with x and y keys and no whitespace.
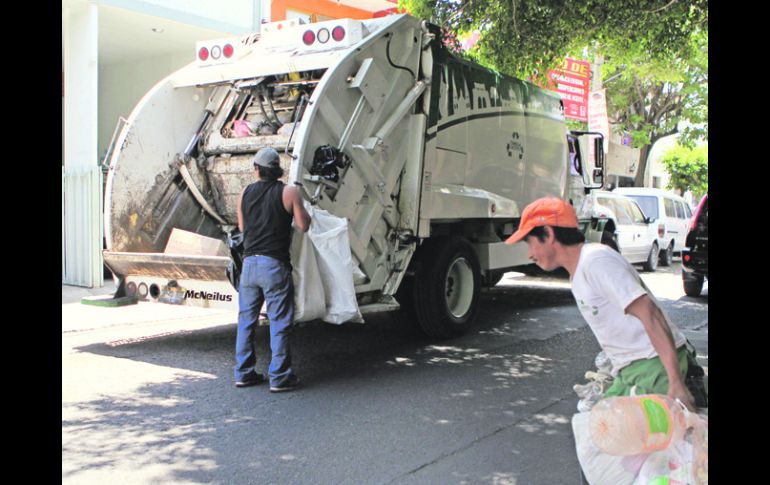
{"x":267,"y":157}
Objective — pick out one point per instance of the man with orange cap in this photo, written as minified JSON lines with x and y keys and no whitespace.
{"x":646,"y":349}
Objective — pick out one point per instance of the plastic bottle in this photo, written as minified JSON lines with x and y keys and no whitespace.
{"x":632,"y":425}
{"x":589,"y":393}
{"x":603,"y":363}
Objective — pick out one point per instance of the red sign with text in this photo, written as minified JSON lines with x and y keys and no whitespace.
{"x":572,"y":82}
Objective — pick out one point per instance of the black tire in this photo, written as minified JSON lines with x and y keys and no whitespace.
{"x":446,"y":288}
{"x":652,"y":259}
{"x":405,"y":297}
{"x":667,"y":256}
{"x":693,"y":284}
{"x":493,"y":277}
{"x":609,"y":239}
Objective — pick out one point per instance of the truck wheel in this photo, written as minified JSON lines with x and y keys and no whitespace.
{"x":447,"y":290}
{"x":405,"y":297}
{"x":652,"y":259}
{"x":693,"y":284}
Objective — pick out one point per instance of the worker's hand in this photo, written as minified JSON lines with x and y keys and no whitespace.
{"x":680,"y":391}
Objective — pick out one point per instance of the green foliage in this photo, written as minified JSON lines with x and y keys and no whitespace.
{"x":575,"y":125}
{"x":688,"y":169}
{"x":656,"y":96}
{"x":521,"y":37}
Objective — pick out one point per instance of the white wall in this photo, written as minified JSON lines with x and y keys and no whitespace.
{"x":121,"y":86}
{"x":123,"y":82}
{"x":81,"y":178}
{"x":226,"y":15}
{"x":620,"y":158}
{"x":80,"y":37}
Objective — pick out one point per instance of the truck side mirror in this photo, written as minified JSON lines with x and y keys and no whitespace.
{"x":599,"y":151}
{"x":593,"y":179}
{"x":598,"y":176}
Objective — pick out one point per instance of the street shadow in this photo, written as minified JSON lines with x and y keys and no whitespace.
{"x":322,"y":346}
{"x":379,"y":400}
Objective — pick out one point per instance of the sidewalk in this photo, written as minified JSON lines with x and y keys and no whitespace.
{"x":77,"y":317}
{"x":73,"y":294}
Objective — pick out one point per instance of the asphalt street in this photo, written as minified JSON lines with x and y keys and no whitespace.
{"x":147,"y":394}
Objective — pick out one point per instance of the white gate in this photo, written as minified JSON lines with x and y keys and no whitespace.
{"x":82,"y":226}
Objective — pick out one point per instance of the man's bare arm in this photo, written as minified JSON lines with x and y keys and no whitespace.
{"x":240,"y":212}
{"x":292,"y":201}
{"x":662,"y":340}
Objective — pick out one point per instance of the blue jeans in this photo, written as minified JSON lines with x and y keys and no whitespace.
{"x":265,"y":278}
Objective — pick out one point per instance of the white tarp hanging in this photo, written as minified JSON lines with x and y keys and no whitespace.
{"x":323,"y":271}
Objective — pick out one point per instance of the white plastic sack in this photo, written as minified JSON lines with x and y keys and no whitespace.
{"x":600,"y":468}
{"x":685,"y":461}
{"x":672,"y":465}
{"x":309,"y":296}
{"x":358,"y":275}
{"x":335,"y":264}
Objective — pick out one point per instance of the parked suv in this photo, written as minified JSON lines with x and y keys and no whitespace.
{"x":695,"y":257}
{"x":672,"y":212}
{"x":627,"y":229}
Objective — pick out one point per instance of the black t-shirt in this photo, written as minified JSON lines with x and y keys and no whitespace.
{"x":266,"y":224}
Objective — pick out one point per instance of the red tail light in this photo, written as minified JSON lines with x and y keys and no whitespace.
{"x":203,"y":54}
{"x":687,"y":257}
{"x":338,"y":33}
{"x":308,"y":37}
{"x":228,"y":51}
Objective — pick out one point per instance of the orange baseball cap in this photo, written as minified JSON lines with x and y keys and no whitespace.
{"x":548,"y":211}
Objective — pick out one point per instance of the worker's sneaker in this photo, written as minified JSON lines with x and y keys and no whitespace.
{"x":250,"y":380}
{"x":290,"y":384}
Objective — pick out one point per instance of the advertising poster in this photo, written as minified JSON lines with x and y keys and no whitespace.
{"x":572,"y":82}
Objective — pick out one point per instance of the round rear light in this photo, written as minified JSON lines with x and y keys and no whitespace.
{"x":338,"y":33}
{"x":308,"y":37}
{"x":228,"y":51}
{"x":203,"y":54}
{"x":216,"y":52}
{"x":323,"y":36}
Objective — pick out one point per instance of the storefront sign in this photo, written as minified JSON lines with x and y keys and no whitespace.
{"x":572,"y":82}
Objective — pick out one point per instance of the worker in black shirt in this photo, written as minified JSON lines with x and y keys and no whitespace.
{"x":265,"y":212}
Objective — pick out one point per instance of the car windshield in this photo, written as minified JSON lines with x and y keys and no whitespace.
{"x":649,"y":204}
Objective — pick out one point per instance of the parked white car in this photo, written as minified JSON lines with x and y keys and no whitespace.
{"x":627,"y":229}
{"x":672,"y":212}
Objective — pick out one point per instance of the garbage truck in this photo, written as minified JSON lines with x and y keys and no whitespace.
{"x":428,"y":158}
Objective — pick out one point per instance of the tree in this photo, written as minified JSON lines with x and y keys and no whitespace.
{"x":521,"y":37}
{"x":688,"y":169}
{"x":654,"y":97}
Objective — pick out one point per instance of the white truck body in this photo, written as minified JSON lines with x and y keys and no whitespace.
{"x":433,"y":153}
